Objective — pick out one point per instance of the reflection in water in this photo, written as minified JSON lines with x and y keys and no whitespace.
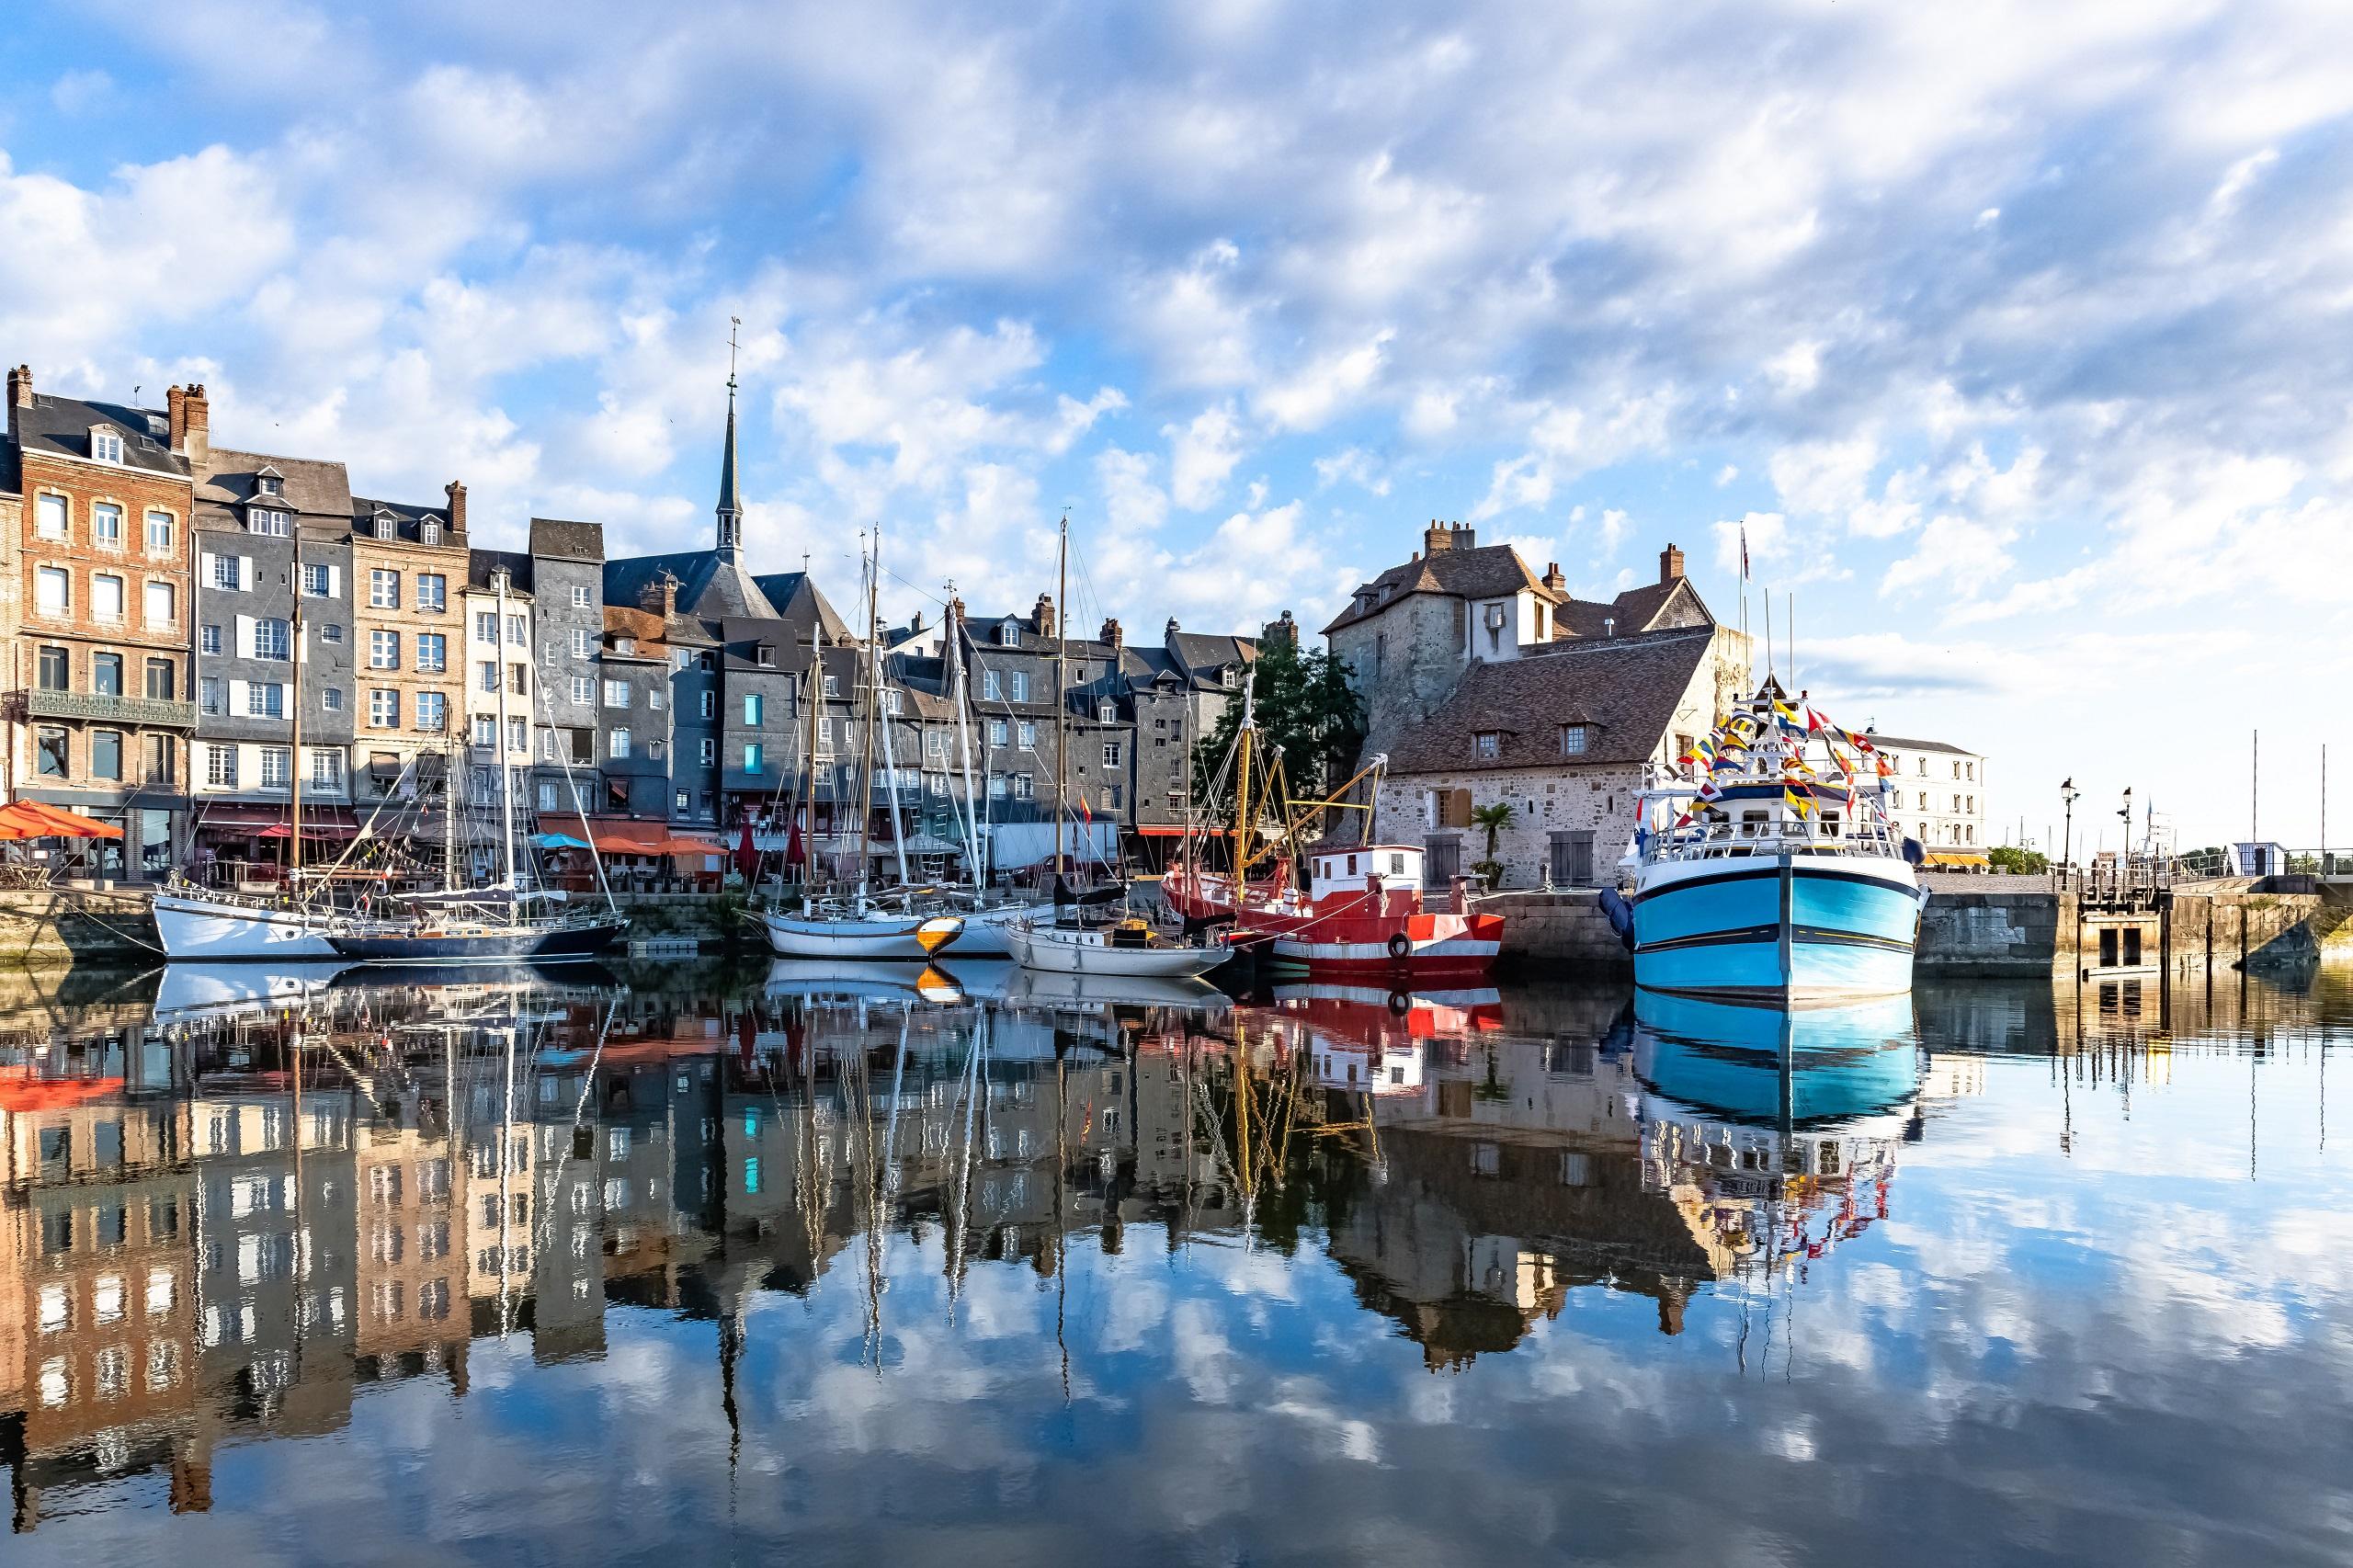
{"x":231,"y":1210}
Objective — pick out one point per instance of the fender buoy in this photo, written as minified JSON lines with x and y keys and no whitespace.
{"x":1399,"y":1002}
{"x":1399,"y":945}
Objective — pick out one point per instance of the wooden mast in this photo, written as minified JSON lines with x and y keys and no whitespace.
{"x":816,"y":701}
{"x":866,"y":747}
{"x":294,"y":844}
{"x":1062,"y":703}
{"x":506,"y":777}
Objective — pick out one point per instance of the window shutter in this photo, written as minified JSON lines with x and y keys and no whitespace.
{"x":244,"y":637}
{"x":334,"y":581}
{"x":204,"y":568}
{"x":237,"y":698}
{"x":244,"y":571}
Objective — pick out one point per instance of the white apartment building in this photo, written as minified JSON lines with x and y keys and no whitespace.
{"x":1938,"y":796}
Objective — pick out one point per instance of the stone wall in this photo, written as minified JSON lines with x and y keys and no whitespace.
{"x":2236,"y":923}
{"x":2019,"y":931}
{"x":1557,"y":936}
{"x":47,"y":928}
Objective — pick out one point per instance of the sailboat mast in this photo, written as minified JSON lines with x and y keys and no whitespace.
{"x":294,"y":844}
{"x":809,"y":752}
{"x":962,"y":698}
{"x":865,"y":747}
{"x":1242,"y":782}
{"x":1061,"y":705}
{"x":506,"y":778}
{"x":890,"y":755}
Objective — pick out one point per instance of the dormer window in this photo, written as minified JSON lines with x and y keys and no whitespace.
{"x":385,"y":526}
{"x":430,"y":533}
{"x":1487,"y":745}
{"x":765,"y":656}
{"x":106,"y":444}
{"x":891,"y":702}
{"x":1573,"y":739}
{"x":270,"y":484}
{"x":270,"y":521}
{"x":1228,"y":676}
{"x":624,"y":644}
{"x":1008,"y":635}
{"x":1107,"y":713}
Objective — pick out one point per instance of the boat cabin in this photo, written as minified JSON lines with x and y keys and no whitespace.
{"x":1330,"y":871}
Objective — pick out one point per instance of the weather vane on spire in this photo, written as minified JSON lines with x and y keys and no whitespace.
{"x":733,"y":324}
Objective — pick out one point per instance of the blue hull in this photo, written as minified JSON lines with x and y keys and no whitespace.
{"x":1777,"y":932}
{"x":1767,"y":1064}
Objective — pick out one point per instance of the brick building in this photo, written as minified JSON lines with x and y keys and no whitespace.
{"x":101,"y":708}
{"x":409,"y":566}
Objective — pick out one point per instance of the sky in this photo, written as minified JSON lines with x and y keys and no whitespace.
{"x":2013,"y":337}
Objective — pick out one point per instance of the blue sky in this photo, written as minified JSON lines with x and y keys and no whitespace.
{"x":2013,"y":336}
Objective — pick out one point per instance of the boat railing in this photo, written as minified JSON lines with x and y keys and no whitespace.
{"x":1733,"y":840}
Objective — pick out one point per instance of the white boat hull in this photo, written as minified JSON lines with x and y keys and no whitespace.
{"x":987,"y":932}
{"x":202,"y":929}
{"x":908,"y":937}
{"x":1054,"y":950}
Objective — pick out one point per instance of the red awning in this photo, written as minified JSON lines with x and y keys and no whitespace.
{"x":32,"y":819}
{"x":1157,"y":830}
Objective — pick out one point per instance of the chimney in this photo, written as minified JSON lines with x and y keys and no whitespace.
{"x":191,"y":426}
{"x":20,"y":394}
{"x":1283,"y":629}
{"x":1173,"y":629}
{"x":457,"y":494}
{"x":1465,"y":539}
{"x":1609,"y":626}
{"x":914,"y":621}
{"x":1437,"y":537}
{"x":659,"y":596}
{"x":1552,"y":578}
{"x":175,"y":416}
{"x":1670,"y":564}
{"x":1114,"y":635}
{"x":1041,"y":615}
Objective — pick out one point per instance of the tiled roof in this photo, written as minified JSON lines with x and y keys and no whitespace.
{"x":1627,"y":687}
{"x":1488,"y":571}
{"x":60,"y":427}
{"x":313,"y":487}
{"x":560,"y":541}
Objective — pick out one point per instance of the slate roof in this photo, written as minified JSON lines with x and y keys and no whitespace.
{"x":1636,"y":610}
{"x":60,"y":427}
{"x":797,"y":597}
{"x":312,"y":487}
{"x":407,"y":517}
{"x":1897,"y":741}
{"x":562,"y":541}
{"x":1484,"y":571}
{"x":481,"y":562}
{"x":709,"y":585}
{"x":1626,"y":686}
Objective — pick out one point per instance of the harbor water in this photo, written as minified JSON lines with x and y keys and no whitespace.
{"x":959,"y":1267}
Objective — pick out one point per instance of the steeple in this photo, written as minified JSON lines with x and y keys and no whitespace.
{"x":731,"y":490}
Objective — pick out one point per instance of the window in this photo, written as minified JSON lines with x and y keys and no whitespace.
{"x":264,"y":699}
{"x":709,"y":751}
{"x":485,"y":731}
{"x":106,"y":674}
{"x":1111,"y":797}
{"x":383,"y":650}
{"x":48,"y":517}
{"x":519,"y":735}
{"x":432,"y":590}
{"x":583,"y":689}
{"x":162,"y":531}
{"x":270,"y":522}
{"x":517,"y":633}
{"x":273,"y":640}
{"x":765,"y":656}
{"x":1024,"y":787}
{"x":833,"y":685}
{"x":54,"y":591}
{"x":160,"y":758}
{"x":1028,"y":731}
{"x":208,"y":694}
{"x":106,"y":445}
{"x":1020,"y":686}
{"x":581,"y":598}
{"x":1107,"y":713}
{"x":487,"y":675}
{"x":996,"y":786}
{"x":327,"y":770}
{"x":331,"y":699}
{"x":229,"y":572}
{"x":618,"y":746}
{"x":547,"y":792}
{"x":383,"y":588}
{"x":385,"y":527}
{"x":50,"y":743}
{"x":106,"y":524}
{"x":616,"y":694}
{"x":428,"y":531}
{"x":1487,"y":745}
{"x":891,"y":702}
{"x":432,"y":651}
{"x":432,"y":711}
{"x":583,"y":642}
{"x":318,"y":580}
{"x":1008,"y":634}
{"x":1572,"y":739}
{"x":55,"y":670}
{"x":331,"y":632}
{"x":684,"y":802}
{"x":163,"y":604}
{"x":277,"y":768}
{"x":935,"y":742}
{"x":384,"y":707}
{"x":755,"y":757}
{"x":627,"y":645}
{"x":996,"y":732}
{"x":754,"y":709}
{"x":105,"y":595}
{"x":221,"y":765}
{"x":519,"y":679}
{"x":1110,"y":754}
{"x":105,"y":753}
{"x":163,"y":679}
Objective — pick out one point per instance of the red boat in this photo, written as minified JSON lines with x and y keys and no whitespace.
{"x":1364,"y":916}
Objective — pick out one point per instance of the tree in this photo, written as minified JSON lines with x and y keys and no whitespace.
{"x":1493,"y":819}
{"x":1304,"y":706}
{"x":2008,"y":858}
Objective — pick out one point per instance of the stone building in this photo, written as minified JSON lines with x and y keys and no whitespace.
{"x":1407,"y":637}
{"x":1940,"y":797}
{"x":409,"y":566}
{"x":273,"y":548}
{"x":568,"y":635}
{"x":99,"y":704}
{"x":634,"y":679}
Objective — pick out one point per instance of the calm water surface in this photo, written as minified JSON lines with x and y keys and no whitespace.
{"x":790,"y":1265}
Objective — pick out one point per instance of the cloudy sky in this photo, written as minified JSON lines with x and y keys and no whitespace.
{"x":2015,"y":335}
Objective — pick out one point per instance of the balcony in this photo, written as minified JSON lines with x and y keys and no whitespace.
{"x":138,"y":713}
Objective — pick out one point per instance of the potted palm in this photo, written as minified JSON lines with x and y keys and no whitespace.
{"x":1493,"y":819}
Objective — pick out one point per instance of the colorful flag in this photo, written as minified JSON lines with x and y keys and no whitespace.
{"x":1800,"y":805}
{"x":1743,"y":552}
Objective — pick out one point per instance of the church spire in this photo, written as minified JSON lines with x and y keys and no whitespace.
{"x":731,"y":490}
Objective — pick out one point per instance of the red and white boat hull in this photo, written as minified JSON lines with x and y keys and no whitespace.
{"x":1419,"y":949}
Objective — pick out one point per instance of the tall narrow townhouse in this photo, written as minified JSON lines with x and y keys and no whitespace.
{"x":273,"y":577}
{"x":567,"y":573}
{"x":502,"y":688}
{"x":408,"y":569}
{"x":101,"y":712}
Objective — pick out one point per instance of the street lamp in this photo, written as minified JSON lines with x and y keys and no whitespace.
{"x":2067,"y":793}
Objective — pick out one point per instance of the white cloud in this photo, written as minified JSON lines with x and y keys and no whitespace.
{"x":1202,"y":455}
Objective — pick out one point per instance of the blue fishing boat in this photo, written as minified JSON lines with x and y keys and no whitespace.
{"x":1769,"y":868}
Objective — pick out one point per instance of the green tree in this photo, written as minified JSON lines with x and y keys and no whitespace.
{"x":1303,"y":706}
{"x":1493,"y":819}
{"x":2008,"y":857}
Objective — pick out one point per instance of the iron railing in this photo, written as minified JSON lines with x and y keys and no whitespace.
{"x":149,"y":712}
